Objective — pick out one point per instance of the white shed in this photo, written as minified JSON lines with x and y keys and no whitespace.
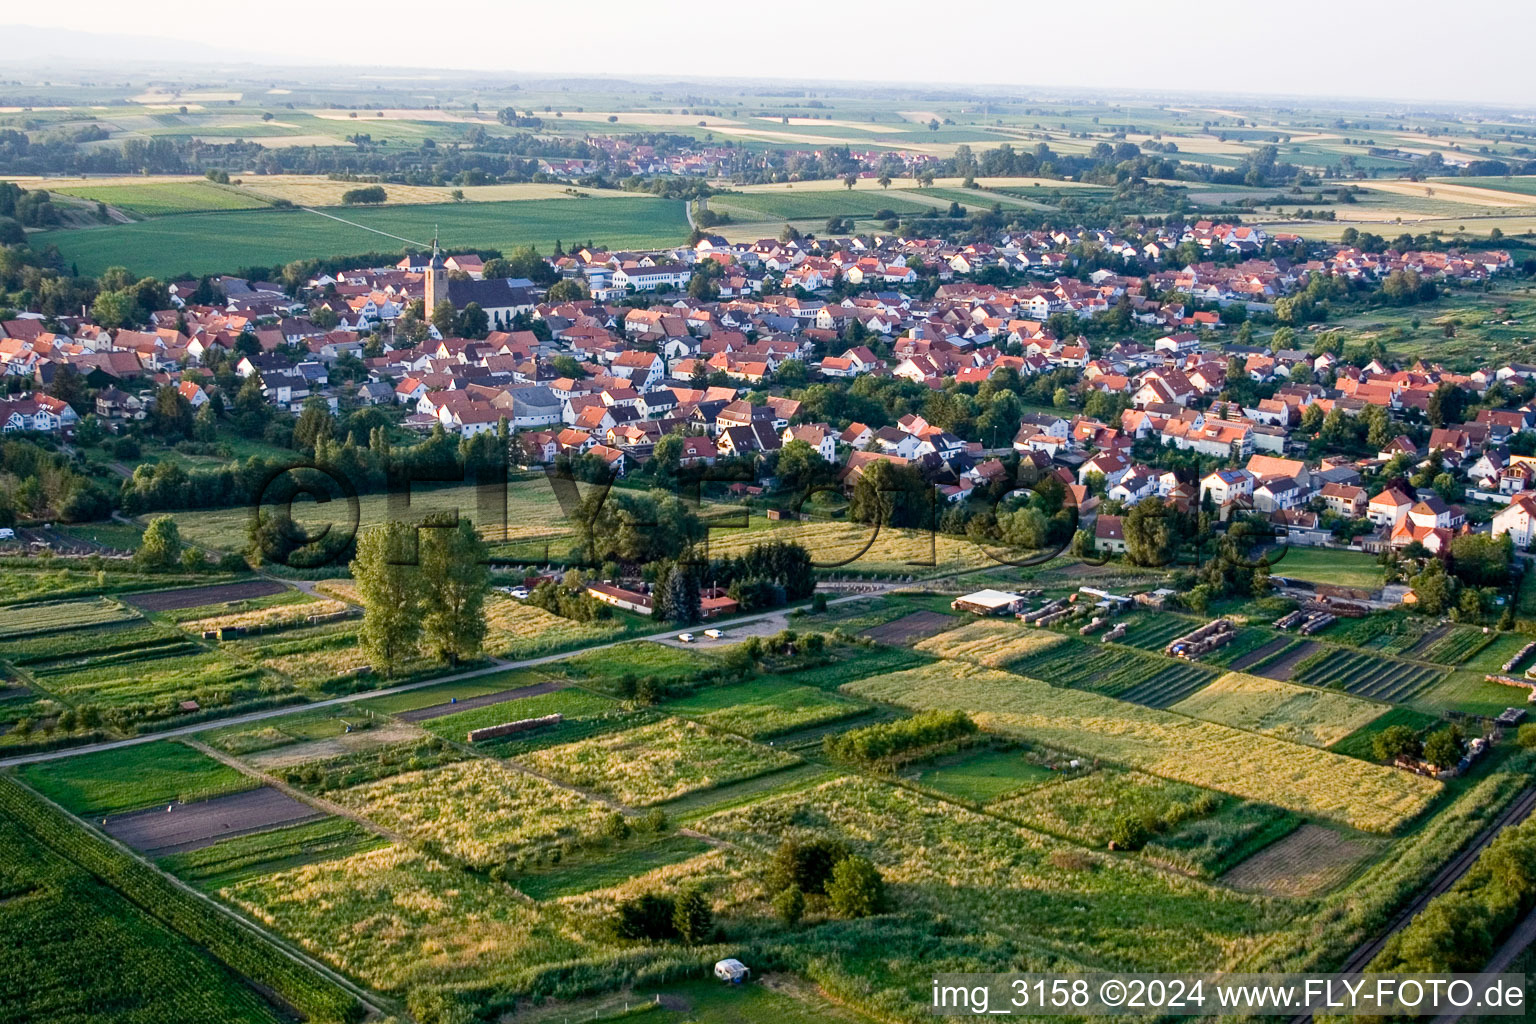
{"x":733,"y":971}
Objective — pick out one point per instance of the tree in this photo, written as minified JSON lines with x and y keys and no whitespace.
{"x":884,"y":181}
{"x":112,"y":309}
{"x":160,"y":547}
{"x":680,"y":602}
{"x":1395,"y":740}
{"x":390,"y":589}
{"x":567,"y":290}
{"x":314,"y":424}
{"x":856,"y":888}
{"x":453,"y":588}
{"x":805,"y":865}
{"x":692,"y":917}
{"x":647,"y":917}
{"x":473,"y":322}
{"x":1443,"y":747}
{"x":1150,"y":538}
{"x":444,"y":317}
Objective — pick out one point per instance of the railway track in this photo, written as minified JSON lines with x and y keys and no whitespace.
{"x":1449,"y":875}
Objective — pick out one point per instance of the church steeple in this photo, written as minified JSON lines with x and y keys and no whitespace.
{"x":437,"y":278}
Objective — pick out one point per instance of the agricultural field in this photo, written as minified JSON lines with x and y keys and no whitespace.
{"x":1301,"y":779}
{"x":478,"y":811}
{"x":235,"y":860}
{"x":857,"y":548}
{"x":146,"y":775}
{"x":517,"y":630}
{"x":1366,"y":675}
{"x":33,"y":619}
{"x":995,"y":643}
{"x":272,"y":617}
{"x":765,"y":707}
{"x":655,"y":763}
{"x":74,"y":925}
{"x":397,"y":919}
{"x":583,"y":714}
{"x":984,"y":775}
{"x":1359,"y":743}
{"x":1301,"y":714}
{"x":820,"y":204}
{"x":1451,"y":645}
{"x":158,"y":199}
{"x":1308,"y":861}
{"x":1339,"y":568}
{"x":1116,"y":672}
{"x":206,"y":243}
{"x":1008,"y":881}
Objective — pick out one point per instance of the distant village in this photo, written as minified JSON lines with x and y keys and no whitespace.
{"x":642,"y":356}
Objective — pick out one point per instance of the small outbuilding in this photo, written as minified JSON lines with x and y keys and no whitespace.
{"x":732,"y":970}
{"x":988,"y":602}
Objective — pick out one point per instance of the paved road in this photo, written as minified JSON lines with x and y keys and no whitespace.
{"x":294,"y":709}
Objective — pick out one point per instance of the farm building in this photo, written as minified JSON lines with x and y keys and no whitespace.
{"x":988,"y":602}
{"x":629,"y":600}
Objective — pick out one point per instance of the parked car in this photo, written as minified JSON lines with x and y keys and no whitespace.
{"x":686,"y":638}
{"x":714,"y":634}
{"x":521,"y":593}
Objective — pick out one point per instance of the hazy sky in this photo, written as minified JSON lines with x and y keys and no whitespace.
{"x":1377,"y":48}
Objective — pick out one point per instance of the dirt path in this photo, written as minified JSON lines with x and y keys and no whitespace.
{"x":293,"y":709}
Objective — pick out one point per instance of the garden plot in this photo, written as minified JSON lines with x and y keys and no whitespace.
{"x":1007,"y":882}
{"x":1085,"y":808}
{"x":395,"y":919}
{"x":1452,"y":645}
{"x":656,"y":762}
{"x":114,"y":638}
{"x":484,"y":700}
{"x":1154,"y":631}
{"x":153,"y":683}
{"x":158,"y":831}
{"x":1259,"y":654}
{"x":982,"y":775}
{"x":479,"y":811}
{"x":56,"y":616}
{"x":1169,"y":686}
{"x":192,"y":597}
{"x":911,"y":628}
{"x":1367,"y":675}
{"x":341,"y":745}
{"x":261,"y":853}
{"x":146,"y":775}
{"x":583,"y":714}
{"x":517,"y":630}
{"x":1307,"y":862}
{"x":1114,"y":671}
{"x":258,"y":620}
{"x":766,"y":707}
{"x":992,"y":642}
{"x":1284,"y":666}
{"x":1298,"y":713}
{"x":1256,"y":767}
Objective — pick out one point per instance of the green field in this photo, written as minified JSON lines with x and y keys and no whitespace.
{"x":1523,"y":184}
{"x":77,"y":951}
{"x":222,"y":242}
{"x":1320,"y":565}
{"x":982,"y":776}
{"x":156,"y":199}
{"x":765,"y":707}
{"x":1359,"y":743}
{"x":776,"y":205}
{"x":243,"y":857}
{"x":112,"y":781}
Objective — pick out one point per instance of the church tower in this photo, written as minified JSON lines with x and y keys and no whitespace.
{"x":437,"y":279}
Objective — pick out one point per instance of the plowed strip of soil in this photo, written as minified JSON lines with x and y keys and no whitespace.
{"x":1304,"y":863}
{"x":192,"y":597}
{"x":917,"y":626}
{"x":1258,"y":654}
{"x":157,"y":831}
{"x":1282,"y":667}
{"x":485,"y":700}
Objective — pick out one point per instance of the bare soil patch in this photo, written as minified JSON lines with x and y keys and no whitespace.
{"x":1258,"y":654}
{"x":192,"y":597}
{"x":158,"y":831}
{"x":1304,"y":863}
{"x":346,"y":743}
{"x":1284,"y":667}
{"x":909,"y":628}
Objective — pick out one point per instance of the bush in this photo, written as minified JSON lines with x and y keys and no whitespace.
{"x":789,"y":905}
{"x":805,"y":865}
{"x":856,"y":888}
{"x":1526,"y":737}
{"x":692,"y":917}
{"x":647,"y":918}
{"x":877,"y":742}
